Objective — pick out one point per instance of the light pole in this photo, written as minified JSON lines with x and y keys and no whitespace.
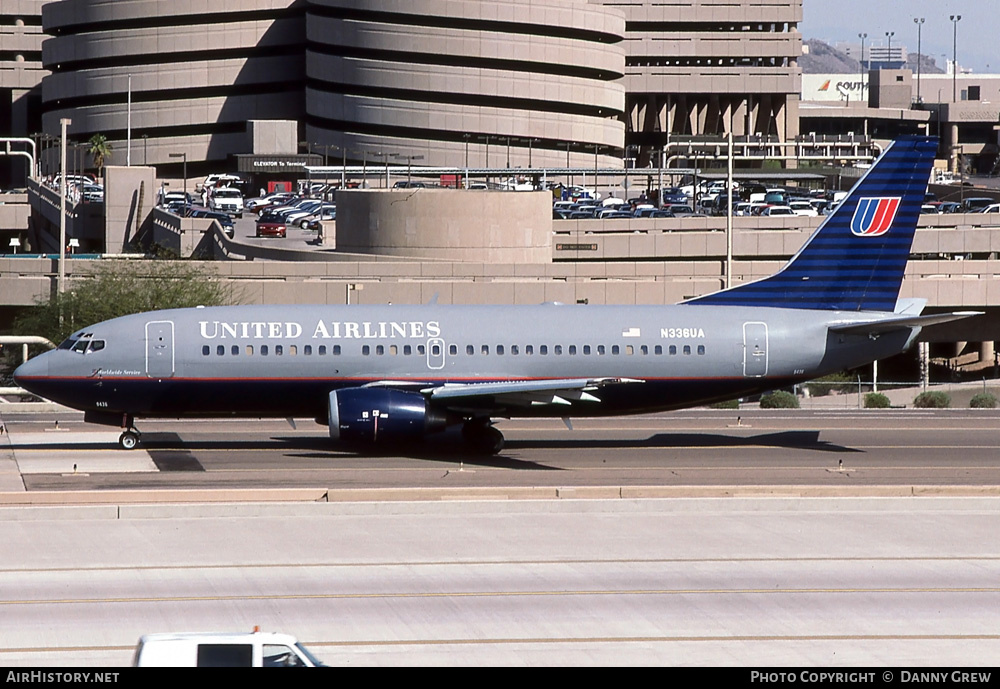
{"x":185,"y":190}
{"x":955,"y":18}
{"x":861,"y":64}
{"x":60,"y":282}
{"x":409,"y":159}
{"x":888,"y":54}
{"x":919,"y":21}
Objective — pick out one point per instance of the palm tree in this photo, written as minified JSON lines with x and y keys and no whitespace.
{"x":100,"y":149}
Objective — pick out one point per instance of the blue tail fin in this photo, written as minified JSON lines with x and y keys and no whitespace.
{"x":856,"y":258}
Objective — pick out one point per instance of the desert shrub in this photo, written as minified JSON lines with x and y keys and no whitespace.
{"x":834,"y":382}
{"x":728,"y":404}
{"x":876,"y":400}
{"x":779,"y":399}
{"x":983,"y":400}
{"x":932,"y":400}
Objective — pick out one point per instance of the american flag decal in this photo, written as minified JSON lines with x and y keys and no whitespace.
{"x":873,"y":216}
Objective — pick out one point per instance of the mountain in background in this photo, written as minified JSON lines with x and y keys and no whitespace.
{"x":823,"y":58}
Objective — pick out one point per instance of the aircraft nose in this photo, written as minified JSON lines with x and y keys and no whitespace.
{"x":31,"y":369}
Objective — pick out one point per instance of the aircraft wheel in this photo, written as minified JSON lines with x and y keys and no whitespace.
{"x":128,"y":440}
{"x":483,"y":438}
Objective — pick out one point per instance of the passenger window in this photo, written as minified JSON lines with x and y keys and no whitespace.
{"x":600,"y":350}
{"x":435,"y":350}
{"x":225,"y":655}
{"x":586,"y":350}
{"x":366,"y":350}
{"x":470,"y":350}
{"x":379,"y":350}
{"x":701,"y":350}
{"x":557,"y":350}
{"x":421,"y":350}
{"x":220,"y":350}
{"x":629,"y":350}
{"x":407,"y":350}
{"x":658,"y":350}
{"x":236,"y":350}
{"x":307,"y":350}
{"x":528,"y":349}
{"x":673,"y":350}
{"x":543,"y":349}
{"x":500,"y":350}
{"x":205,"y":350}
{"x":322,"y":350}
{"x":615,"y":349}
{"x":687,"y":349}
{"x":249,"y":350}
{"x":572,"y":350}
{"x":513,"y":350}
{"x":278,"y":350}
{"x":644,"y":349}
{"x":293,"y":350}
{"x":336,"y":350}
{"x":393,"y":350}
{"x":486,"y":350}
{"x":263,"y":350}
{"x":453,"y":349}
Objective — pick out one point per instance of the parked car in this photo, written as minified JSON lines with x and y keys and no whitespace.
{"x":271,"y":225}
{"x":327,"y":211}
{"x":774,"y":211}
{"x":976,"y":204}
{"x":224,"y":220}
{"x":275,"y":199}
{"x":803,"y":208}
{"x":992,"y":208}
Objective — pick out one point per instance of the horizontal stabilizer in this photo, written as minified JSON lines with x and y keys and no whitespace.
{"x":885,"y":325}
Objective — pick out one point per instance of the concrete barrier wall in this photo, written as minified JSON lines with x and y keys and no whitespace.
{"x":453,"y":224}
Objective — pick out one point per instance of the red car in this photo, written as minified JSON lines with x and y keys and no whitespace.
{"x":270,"y":225}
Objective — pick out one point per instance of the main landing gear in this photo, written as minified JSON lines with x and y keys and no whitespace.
{"x":481,"y":437}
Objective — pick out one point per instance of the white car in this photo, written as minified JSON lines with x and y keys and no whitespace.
{"x":803,"y":208}
{"x":992,"y":208}
{"x":773,"y":211}
{"x":226,"y":200}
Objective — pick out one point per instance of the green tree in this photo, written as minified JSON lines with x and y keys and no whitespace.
{"x":122,"y":287}
{"x":101,"y":150}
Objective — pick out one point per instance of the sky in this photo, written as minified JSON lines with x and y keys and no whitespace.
{"x":833,"y":21}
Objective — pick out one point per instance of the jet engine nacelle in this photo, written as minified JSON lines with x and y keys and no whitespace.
{"x":371,"y":415}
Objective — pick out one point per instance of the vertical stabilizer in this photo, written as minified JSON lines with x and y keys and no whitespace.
{"x":856,"y":258}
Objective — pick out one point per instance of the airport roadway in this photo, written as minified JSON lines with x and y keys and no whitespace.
{"x":698,"y":538}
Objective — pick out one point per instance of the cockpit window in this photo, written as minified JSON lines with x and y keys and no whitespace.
{"x":83,"y":346}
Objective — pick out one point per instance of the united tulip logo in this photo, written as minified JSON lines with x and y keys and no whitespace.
{"x":873,"y":217}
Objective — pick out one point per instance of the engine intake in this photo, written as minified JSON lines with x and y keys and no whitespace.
{"x":372,"y":415}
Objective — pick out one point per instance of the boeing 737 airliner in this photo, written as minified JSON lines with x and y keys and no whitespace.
{"x":382,"y":373}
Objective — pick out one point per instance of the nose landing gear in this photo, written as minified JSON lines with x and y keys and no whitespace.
{"x":129,"y":439}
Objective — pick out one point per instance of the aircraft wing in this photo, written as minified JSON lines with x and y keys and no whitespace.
{"x":888,"y":324}
{"x":525,"y":393}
